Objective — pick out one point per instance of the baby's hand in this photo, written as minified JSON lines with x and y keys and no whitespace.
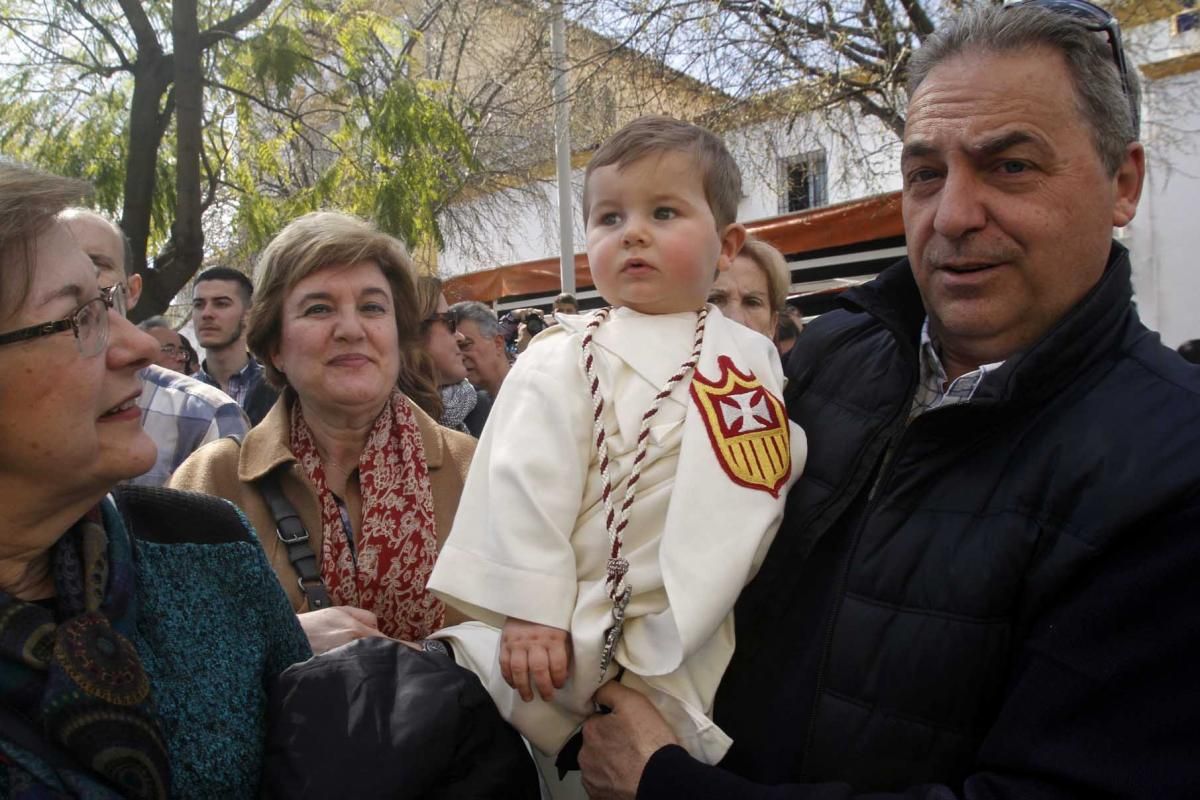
{"x":532,"y":654}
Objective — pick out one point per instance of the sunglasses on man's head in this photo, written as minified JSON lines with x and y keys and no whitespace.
{"x":1092,"y":18}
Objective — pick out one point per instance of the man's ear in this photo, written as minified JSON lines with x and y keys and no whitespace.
{"x":134,"y":287}
{"x":1127,"y":184}
{"x":732,"y":239}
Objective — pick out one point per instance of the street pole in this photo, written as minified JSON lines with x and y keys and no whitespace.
{"x":562,"y":146}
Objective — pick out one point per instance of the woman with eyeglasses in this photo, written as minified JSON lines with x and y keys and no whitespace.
{"x":352,"y":446}
{"x":464,"y":408}
{"x":111,"y":685}
{"x":191,"y":361}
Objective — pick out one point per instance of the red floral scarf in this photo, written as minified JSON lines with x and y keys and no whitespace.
{"x":396,"y":545}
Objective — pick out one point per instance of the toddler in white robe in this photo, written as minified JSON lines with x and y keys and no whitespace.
{"x":530,"y":546}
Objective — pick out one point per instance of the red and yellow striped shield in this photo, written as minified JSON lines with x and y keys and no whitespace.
{"x":747,"y":426}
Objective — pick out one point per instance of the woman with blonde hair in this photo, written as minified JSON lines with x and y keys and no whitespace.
{"x":753,"y":291}
{"x":352,"y":446}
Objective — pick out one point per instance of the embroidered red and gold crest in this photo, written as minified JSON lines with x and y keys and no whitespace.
{"x":747,"y":425}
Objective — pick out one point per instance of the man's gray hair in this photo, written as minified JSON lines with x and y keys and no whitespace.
{"x":1089,"y":57}
{"x":157,"y":321}
{"x":480,"y":314}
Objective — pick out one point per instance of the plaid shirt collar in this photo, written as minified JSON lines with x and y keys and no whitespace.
{"x":240,"y":382}
{"x":932,"y":391}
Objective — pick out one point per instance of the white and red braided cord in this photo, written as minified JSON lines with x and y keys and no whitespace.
{"x":615,"y":520}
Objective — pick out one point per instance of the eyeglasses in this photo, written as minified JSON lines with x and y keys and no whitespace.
{"x":173,"y":351}
{"x":89,"y":322}
{"x":1096,"y":19}
{"x":445,"y":317}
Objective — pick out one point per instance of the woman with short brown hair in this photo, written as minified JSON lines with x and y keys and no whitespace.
{"x":352,"y":443}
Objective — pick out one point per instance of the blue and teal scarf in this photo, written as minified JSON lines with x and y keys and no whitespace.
{"x":74,"y":673}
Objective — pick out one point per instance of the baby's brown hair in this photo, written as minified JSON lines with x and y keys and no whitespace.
{"x":657,"y":134}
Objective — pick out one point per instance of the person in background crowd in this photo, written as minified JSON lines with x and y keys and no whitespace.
{"x":191,"y":364}
{"x":107,"y":246}
{"x":985,"y":583}
{"x":785,"y":336}
{"x":171,"y":354}
{"x":464,"y":408}
{"x":565,"y":303}
{"x":521,"y":325}
{"x":352,"y":442}
{"x":178,"y":413}
{"x":221,"y":299}
{"x":754,"y":289}
{"x":482,"y":346}
{"x":138,"y":628}
{"x":1190,"y":350}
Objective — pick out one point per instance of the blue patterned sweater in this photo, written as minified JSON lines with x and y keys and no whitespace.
{"x":213,"y":628}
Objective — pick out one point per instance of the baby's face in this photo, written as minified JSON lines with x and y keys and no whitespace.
{"x":652,"y":242}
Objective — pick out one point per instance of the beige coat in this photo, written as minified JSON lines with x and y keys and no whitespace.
{"x":223,"y":469}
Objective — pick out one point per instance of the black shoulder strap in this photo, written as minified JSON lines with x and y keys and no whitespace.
{"x":291,"y":532}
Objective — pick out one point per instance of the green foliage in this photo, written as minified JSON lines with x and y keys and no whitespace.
{"x":278,"y":57}
{"x":361,"y":137}
{"x":310,"y":106}
{"x":85,"y":140}
{"x":64,"y":102}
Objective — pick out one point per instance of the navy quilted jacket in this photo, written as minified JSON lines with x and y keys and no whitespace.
{"x":998,"y":600}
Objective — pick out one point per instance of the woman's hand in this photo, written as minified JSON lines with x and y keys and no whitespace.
{"x":534,"y":655}
{"x":328,"y":628}
{"x":617,"y":745}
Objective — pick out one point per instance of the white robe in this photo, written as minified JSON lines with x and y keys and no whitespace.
{"x":529,"y":539}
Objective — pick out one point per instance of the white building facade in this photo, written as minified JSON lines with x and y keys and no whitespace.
{"x":1164,"y":237}
{"x":815,"y":162}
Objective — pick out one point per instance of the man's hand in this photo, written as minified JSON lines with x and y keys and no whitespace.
{"x":534,"y":655}
{"x":332,"y":627}
{"x":617,"y":745}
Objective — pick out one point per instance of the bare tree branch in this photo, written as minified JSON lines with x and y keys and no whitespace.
{"x":104,"y":32}
{"x":233,"y":24}
{"x":922,"y":24}
{"x":143,"y":29}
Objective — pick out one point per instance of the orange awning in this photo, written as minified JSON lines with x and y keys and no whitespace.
{"x":859,"y":221}
{"x":856,"y":222}
{"x":524,"y":278}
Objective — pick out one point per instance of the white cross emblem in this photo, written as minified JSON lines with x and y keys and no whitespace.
{"x":743,"y":415}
